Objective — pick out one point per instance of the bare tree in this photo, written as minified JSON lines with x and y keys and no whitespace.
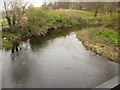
{"x":97,"y":7}
{"x":14,"y":10}
{"x":114,"y":4}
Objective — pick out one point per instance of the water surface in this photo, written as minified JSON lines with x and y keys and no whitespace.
{"x":60,"y":62}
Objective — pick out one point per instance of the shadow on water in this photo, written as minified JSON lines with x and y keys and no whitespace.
{"x":38,"y":42}
{"x":20,"y":68}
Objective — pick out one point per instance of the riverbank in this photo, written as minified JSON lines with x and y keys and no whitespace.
{"x":11,"y":37}
{"x":101,"y":40}
{"x":39,"y":23}
{"x":104,"y":39}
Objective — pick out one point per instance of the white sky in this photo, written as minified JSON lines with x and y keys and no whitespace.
{"x":38,"y":3}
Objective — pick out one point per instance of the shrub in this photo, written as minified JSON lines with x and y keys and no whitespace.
{"x":6,"y":44}
{"x":41,"y":21}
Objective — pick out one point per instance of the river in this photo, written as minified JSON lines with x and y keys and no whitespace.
{"x":59,"y":62}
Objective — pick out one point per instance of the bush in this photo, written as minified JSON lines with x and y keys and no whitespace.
{"x":41,"y":21}
{"x":6,"y":44}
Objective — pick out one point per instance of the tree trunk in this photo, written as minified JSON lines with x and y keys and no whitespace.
{"x":96,"y":12}
{"x":97,"y":6}
{"x":16,"y":48}
{"x":111,"y":13}
{"x":12,"y":50}
{"x":13,"y":20}
{"x":8,"y":20}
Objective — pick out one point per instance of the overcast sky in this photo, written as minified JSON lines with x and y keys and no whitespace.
{"x":38,"y":3}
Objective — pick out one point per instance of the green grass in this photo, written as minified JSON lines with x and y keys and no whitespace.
{"x":104,"y":35}
{"x":40,"y":21}
{"x":4,"y":24}
{"x":99,"y":40}
{"x":112,"y":36}
{"x":90,"y":15}
{"x":83,"y":14}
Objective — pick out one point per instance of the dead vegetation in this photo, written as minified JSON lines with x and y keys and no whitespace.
{"x":98,"y":43}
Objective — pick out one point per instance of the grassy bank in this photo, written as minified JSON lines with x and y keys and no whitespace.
{"x":43,"y":21}
{"x":103,"y":40}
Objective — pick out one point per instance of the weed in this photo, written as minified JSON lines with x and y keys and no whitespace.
{"x":7,"y":44}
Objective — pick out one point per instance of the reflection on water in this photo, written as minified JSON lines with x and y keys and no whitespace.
{"x":59,"y":61}
{"x":20,"y":69}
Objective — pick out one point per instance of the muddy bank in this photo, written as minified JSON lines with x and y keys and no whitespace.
{"x":99,"y":44}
